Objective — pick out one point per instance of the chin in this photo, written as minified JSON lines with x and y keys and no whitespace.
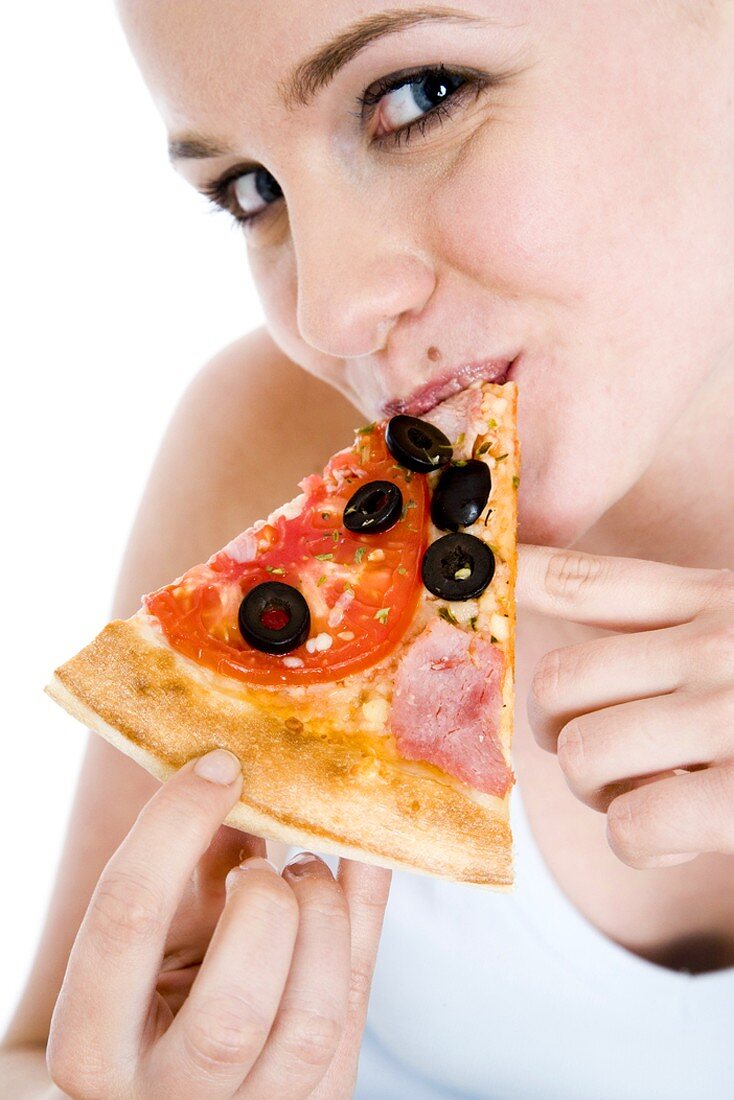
{"x":551,"y":518}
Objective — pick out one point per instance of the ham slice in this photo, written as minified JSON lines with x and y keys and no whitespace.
{"x":446,"y":706}
{"x":460,"y":420}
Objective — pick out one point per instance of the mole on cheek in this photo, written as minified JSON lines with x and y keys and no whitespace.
{"x":433,"y":354}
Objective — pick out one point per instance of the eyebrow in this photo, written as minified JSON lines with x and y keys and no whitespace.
{"x":318,"y":70}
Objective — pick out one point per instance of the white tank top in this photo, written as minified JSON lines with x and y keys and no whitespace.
{"x":486,"y":996}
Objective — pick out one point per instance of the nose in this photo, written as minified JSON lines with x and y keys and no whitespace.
{"x":357,"y":272}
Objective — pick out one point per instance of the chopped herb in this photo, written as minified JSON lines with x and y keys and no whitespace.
{"x":484,"y":447}
{"x":515,"y":481}
{"x":335,"y":535}
{"x":500,"y":457}
{"x":348,"y":587}
{"x":324,"y":557}
{"x":325,"y":515}
{"x":412,"y":504}
{"x":367,"y":428}
{"x":459,"y":462}
{"x":460,"y":439}
{"x":473,"y":622}
{"x":321,"y":579}
{"x":359,"y":553}
{"x":493,"y":639}
{"x":382,"y":615}
{"x":447,"y":614}
{"x":409,"y":476}
{"x":275,"y":569}
{"x":491,"y":423}
{"x":403,"y":511}
{"x":402,"y":570}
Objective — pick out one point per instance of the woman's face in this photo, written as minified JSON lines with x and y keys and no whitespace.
{"x":547,"y":185}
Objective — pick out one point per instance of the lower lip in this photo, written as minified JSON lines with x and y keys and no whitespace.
{"x":423,"y":404}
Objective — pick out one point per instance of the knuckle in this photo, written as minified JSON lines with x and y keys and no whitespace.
{"x":719,"y":588}
{"x":226,"y":1030}
{"x":721,"y":795}
{"x":72,"y":1071}
{"x":309,"y":1037}
{"x":572,"y":755}
{"x":569,"y":574}
{"x":624,"y":825}
{"x":128,"y":909}
{"x":715,"y":646}
{"x":545,"y":686}
{"x":326,"y":899}
{"x":360,"y":982}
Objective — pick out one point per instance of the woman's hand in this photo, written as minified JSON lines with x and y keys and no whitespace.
{"x":624,"y":712}
{"x":180,"y":986}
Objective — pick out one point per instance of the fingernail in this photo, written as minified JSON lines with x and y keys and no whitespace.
{"x":300,"y":863}
{"x":218,"y":766}
{"x":253,"y":863}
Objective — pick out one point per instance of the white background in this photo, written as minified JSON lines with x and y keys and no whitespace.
{"x":118,"y":285}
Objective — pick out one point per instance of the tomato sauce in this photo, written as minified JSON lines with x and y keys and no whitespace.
{"x":362,"y":589}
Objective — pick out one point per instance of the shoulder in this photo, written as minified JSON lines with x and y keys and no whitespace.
{"x":247,"y":428}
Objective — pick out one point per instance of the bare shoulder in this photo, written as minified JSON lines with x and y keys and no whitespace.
{"x":247,"y":428}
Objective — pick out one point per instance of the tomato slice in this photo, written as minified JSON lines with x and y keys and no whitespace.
{"x":361,"y":589}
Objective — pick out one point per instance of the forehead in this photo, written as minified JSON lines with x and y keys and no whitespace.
{"x":209,"y":64}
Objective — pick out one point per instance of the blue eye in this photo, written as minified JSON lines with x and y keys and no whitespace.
{"x":255,"y":191}
{"x":398,"y":105}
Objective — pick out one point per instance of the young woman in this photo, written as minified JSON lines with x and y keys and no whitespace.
{"x":425,"y":192}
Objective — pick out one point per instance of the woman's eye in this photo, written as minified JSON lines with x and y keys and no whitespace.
{"x":398,"y":107}
{"x":394,"y":106}
{"x":245,"y":195}
{"x":254,"y":191}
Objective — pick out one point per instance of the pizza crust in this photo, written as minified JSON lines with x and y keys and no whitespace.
{"x":302,"y":787}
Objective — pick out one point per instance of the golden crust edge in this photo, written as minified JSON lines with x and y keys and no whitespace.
{"x":252,"y":819}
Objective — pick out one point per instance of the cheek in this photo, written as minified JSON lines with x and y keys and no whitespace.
{"x":577,"y":238}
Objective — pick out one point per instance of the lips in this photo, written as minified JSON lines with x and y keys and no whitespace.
{"x":450,"y":382}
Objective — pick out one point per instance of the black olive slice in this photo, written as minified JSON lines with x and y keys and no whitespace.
{"x":374,"y":507}
{"x":417,"y":444}
{"x":460,"y":496}
{"x":457,"y":567}
{"x":274,"y":617}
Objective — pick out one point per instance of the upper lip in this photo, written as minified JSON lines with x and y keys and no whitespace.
{"x":423,"y":398}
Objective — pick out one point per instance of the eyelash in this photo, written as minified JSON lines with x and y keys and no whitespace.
{"x":218,"y":190}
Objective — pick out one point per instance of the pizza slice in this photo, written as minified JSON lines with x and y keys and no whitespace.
{"x":355,"y":650}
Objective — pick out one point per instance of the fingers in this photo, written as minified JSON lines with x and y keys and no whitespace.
{"x":599,"y":673}
{"x":617,"y":593}
{"x":367,"y":889}
{"x":200,"y":909}
{"x":313,"y":1010}
{"x":112,"y":970}
{"x":674,"y":819}
{"x":221,"y":1029}
{"x":597,"y":752}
